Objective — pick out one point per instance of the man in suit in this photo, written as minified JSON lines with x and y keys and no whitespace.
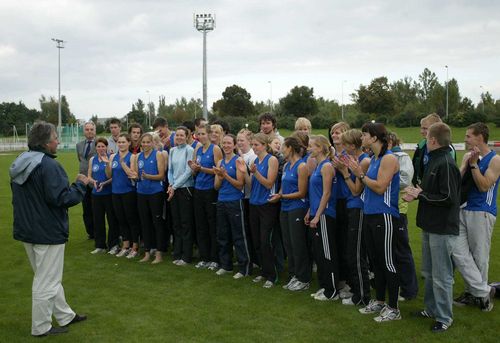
{"x":85,"y":150}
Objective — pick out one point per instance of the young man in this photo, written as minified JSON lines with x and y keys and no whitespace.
{"x":115,"y":128}
{"x":160,"y":125}
{"x":267,"y":123}
{"x":85,"y":150}
{"x":135,"y":132}
{"x":481,"y":166}
{"x":437,"y":216}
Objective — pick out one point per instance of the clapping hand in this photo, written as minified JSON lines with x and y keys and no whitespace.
{"x":241,"y":166}
{"x":194,"y":166}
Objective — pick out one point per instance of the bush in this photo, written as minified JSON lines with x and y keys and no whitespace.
{"x":321,"y":121}
{"x":360,"y":120}
{"x":286,"y":122}
{"x":406,"y":119}
{"x":465,"y":119}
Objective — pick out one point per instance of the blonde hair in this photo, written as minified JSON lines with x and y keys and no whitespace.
{"x":342,"y":126}
{"x":247,"y":133}
{"x":264,"y":139}
{"x":431,"y":119}
{"x":323,"y":143}
{"x":353,"y":137}
{"x":216,"y":127}
{"x":303,"y":123}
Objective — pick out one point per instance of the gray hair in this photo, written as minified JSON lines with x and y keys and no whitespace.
{"x":90,"y":122}
{"x":40,"y":134}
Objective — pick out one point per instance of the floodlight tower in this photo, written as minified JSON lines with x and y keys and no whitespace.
{"x":59,"y":46}
{"x":204,"y":23}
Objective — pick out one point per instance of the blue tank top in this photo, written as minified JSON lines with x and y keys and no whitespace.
{"x":259,"y":194}
{"x":483,"y":201}
{"x":386,"y":203}
{"x":99,"y":174}
{"x":316,"y":192}
{"x":149,"y":166}
{"x":355,"y":201}
{"x":120,"y":183}
{"x":342,"y":190}
{"x":194,"y":144}
{"x":205,"y":181}
{"x":172,"y":140}
{"x":290,"y":184}
{"x":227,"y":192}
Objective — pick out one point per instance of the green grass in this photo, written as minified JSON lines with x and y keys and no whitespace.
{"x":128,"y":301}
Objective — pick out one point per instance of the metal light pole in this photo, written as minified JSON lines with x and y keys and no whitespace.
{"x":60,"y":45}
{"x":204,"y":23}
{"x":446,"y":92}
{"x":149,"y":110}
{"x":343,"y":99}
{"x":482,"y":96}
{"x":270,"y":96}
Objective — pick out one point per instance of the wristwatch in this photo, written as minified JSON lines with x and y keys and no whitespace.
{"x":474,"y":166}
{"x":361,"y":176}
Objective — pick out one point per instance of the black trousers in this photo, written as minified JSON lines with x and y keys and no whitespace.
{"x":246,"y":209}
{"x":167,"y":221}
{"x":325,"y":252}
{"x":181,"y":207}
{"x":231,"y":229}
{"x":297,"y":239}
{"x":357,"y":257}
{"x":150,"y":208}
{"x":279,"y":248}
{"x":381,"y":244}
{"x":125,"y":206}
{"x":263,"y":220}
{"x":103,"y":209}
{"x":205,"y":213}
{"x":341,"y":224}
{"x":404,"y":258}
{"x":88,"y":217}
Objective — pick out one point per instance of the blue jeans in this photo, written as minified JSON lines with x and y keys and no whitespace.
{"x":437,"y":269}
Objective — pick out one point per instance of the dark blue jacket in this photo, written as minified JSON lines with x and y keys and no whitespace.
{"x":41,"y":195}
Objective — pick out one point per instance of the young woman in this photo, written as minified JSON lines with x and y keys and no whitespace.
{"x":229,"y":180}
{"x":263,"y":214}
{"x":356,"y":251}
{"x":321,"y":219}
{"x":216,"y":134}
{"x":205,"y":158}
{"x":124,"y":196}
{"x":296,"y":235}
{"x":102,"y":203}
{"x":380,"y":217}
{"x":150,"y":169}
{"x":180,"y":195}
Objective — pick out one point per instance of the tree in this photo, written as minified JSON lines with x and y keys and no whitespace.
{"x":99,"y":128}
{"x":137,"y":114}
{"x":18,"y":115}
{"x":376,"y":98}
{"x":50,"y":111}
{"x":427,"y":82}
{"x":299,"y":102}
{"x":329,"y":108}
{"x":404,"y":92}
{"x":235,"y":102}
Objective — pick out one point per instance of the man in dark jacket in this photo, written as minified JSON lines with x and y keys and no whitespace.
{"x":40,"y":198}
{"x":437,"y":216}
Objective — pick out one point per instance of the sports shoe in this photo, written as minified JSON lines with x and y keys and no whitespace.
{"x":53,"y":331}
{"x":323,"y":297}
{"x":123,"y":252}
{"x":439,"y":327}
{"x":98,"y":251}
{"x":213,"y":266}
{"x":268,"y":284}
{"x":388,"y":315}
{"x":238,"y":275}
{"x":222,"y":271}
{"x":345,"y":295}
{"x":291,"y":282}
{"x":258,"y":279}
{"x":318,"y":292}
{"x":421,"y":314}
{"x":465,"y":299}
{"x":132,"y":253}
{"x":299,"y":286}
{"x":202,"y":265}
{"x":175,"y":262}
{"x":372,"y":307}
{"x":181,"y":263}
{"x":76,"y":319}
{"x":486,"y":303}
{"x":348,"y":302}
{"x":114,"y":250}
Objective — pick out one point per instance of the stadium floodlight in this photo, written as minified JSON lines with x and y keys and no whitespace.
{"x":204,"y":23}
{"x":59,"y":46}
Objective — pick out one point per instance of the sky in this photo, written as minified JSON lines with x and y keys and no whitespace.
{"x":117,"y":51}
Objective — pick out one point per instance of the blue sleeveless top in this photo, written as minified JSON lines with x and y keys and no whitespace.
{"x":259,"y":194}
{"x":483,"y":201}
{"x":290,"y":184}
{"x":355,"y":201}
{"x":120,"y":182}
{"x":227,"y":192}
{"x":205,"y":181}
{"x":99,"y":174}
{"x":149,"y":166}
{"x":386,"y":203}
{"x":316,"y":192}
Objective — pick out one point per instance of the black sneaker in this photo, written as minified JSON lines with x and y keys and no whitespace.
{"x":421,"y":314}
{"x":54,"y":331}
{"x":465,"y":299}
{"x":486,"y":303}
{"x":439,"y":327}
{"x":78,"y":318}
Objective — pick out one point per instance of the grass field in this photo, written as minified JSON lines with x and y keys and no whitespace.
{"x":131,"y":302}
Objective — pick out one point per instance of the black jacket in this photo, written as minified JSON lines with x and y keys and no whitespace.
{"x":418,"y":161}
{"x":439,"y":201}
{"x":41,"y":196}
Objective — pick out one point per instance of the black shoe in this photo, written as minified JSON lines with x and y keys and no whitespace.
{"x":78,"y":318}
{"x":54,"y":331}
{"x":439,"y":327}
{"x":465,"y":299}
{"x":486,"y":303}
{"x":421,"y":314}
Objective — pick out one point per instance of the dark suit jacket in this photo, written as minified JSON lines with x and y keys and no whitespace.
{"x":80,"y":152}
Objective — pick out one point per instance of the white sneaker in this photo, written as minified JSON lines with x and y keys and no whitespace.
{"x":268,"y":284}
{"x":290,"y":283}
{"x":202,"y":265}
{"x":388,"y":315}
{"x":114,"y":250}
{"x":175,"y":262}
{"x":322,"y":297}
{"x":181,"y":263}
{"x":213,"y":266}
{"x":222,"y":271}
{"x":258,"y":279}
{"x":98,"y":251}
{"x":372,"y":307}
{"x":318,"y":292}
{"x":348,"y":302}
{"x":123,"y":252}
{"x":345,"y":295}
{"x":299,"y":286}
{"x":132,"y":253}
{"x":238,"y":275}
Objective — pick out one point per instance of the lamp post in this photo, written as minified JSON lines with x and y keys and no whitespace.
{"x":204,"y":23}
{"x":343,"y":98}
{"x":482,"y":96}
{"x":149,"y":109}
{"x":270,"y":96}
{"x":446,"y":91}
{"x":59,"y":46}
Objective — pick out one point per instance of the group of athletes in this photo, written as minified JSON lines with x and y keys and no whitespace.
{"x":334,"y":203}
